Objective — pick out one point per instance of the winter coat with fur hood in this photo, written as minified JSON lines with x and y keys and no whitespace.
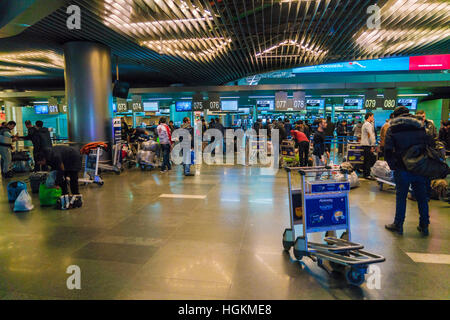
{"x":404,"y":132}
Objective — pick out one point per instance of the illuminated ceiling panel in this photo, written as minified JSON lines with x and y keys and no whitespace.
{"x":43,"y":59}
{"x":196,"y":42}
{"x":7,"y":71}
{"x":406,"y":25}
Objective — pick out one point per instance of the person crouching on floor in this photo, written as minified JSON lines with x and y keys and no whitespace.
{"x":66,"y":161}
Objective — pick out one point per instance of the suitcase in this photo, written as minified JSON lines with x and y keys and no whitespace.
{"x":36,"y":178}
{"x":14,"y":188}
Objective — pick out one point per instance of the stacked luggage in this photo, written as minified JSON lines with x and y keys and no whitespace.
{"x":21,"y":161}
{"x":147,"y":158}
{"x":17,"y":193}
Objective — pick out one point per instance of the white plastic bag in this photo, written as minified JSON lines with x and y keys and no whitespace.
{"x":352,"y":178}
{"x":51,"y":179}
{"x":23,"y":202}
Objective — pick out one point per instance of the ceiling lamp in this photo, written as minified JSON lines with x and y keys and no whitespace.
{"x":424,"y":23}
{"x":7,"y":71}
{"x":189,"y":48}
{"x":44,"y":59}
{"x":288,"y":43}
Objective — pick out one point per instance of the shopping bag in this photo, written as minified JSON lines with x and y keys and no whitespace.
{"x":23,"y":202}
{"x":14,"y":189}
{"x":51,"y":179}
{"x":48,"y":196}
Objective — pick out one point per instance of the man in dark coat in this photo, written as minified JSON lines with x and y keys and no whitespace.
{"x":404,"y":132}
{"x":67,"y":162}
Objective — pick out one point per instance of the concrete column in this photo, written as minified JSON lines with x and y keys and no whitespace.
{"x":87,"y":76}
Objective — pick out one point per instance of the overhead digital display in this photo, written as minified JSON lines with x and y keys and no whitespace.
{"x":411,"y":104}
{"x":353,"y":104}
{"x":151,"y":106}
{"x":41,"y":109}
{"x":265,"y":104}
{"x":183,"y":106}
{"x":315,"y":104}
{"x":229,"y":105}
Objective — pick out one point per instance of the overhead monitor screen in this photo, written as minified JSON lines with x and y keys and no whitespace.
{"x":315,"y":104}
{"x":229,"y":105}
{"x":265,"y":104}
{"x":353,"y":104}
{"x":244,"y":110}
{"x":411,"y":104}
{"x":41,"y":109}
{"x":151,"y":106}
{"x":183,"y":106}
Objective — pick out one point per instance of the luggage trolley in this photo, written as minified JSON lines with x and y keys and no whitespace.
{"x":91,"y":166}
{"x":323,"y":206}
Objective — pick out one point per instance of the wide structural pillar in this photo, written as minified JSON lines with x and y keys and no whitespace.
{"x":87,"y":76}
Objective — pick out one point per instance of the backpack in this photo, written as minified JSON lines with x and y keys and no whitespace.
{"x":425,"y":161}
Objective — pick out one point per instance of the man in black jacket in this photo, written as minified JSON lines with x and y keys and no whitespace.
{"x":67,"y":162}
{"x":40,"y":137}
{"x":404,"y":132}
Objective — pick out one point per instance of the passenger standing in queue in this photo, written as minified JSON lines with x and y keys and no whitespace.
{"x":383,"y":132}
{"x":66,"y":161}
{"x":444,"y":135}
{"x":187,"y":126}
{"x":6,"y":141}
{"x":368,"y":143}
{"x":40,"y":137}
{"x":341,"y":132}
{"x":357,"y":130}
{"x":302,"y":143}
{"x":319,"y":147}
{"x":430,"y":128}
{"x":165,"y":140}
{"x":405,"y":131}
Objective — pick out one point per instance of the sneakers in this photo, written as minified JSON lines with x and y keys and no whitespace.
{"x":423,"y":230}
{"x":67,"y":202}
{"x":394,"y":228}
{"x":189,"y":174}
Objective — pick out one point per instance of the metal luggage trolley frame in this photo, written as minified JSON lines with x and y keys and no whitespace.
{"x":91,"y":166}
{"x":323,"y":206}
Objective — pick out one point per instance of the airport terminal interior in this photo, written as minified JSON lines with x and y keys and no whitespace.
{"x":116,"y":182}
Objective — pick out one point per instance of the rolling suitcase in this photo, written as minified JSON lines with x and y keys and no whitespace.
{"x":36,"y":178}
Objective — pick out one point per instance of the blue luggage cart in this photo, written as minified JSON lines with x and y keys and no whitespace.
{"x":323,"y":206}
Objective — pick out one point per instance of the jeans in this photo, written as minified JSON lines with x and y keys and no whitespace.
{"x":369,"y":160}
{"x":403,"y":180}
{"x":303,"y":150}
{"x":5,"y":154}
{"x":165,"y":148}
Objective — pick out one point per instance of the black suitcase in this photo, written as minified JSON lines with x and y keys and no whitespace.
{"x":36,"y":178}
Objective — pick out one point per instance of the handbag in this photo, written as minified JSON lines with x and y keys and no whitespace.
{"x":425,"y":161}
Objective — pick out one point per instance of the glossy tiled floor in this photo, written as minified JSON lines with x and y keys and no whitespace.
{"x":132,"y":244}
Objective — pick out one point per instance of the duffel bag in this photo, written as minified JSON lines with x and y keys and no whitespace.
{"x":14,"y":189}
{"x":48,"y":196}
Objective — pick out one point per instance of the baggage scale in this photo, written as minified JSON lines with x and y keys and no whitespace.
{"x":323,"y":206}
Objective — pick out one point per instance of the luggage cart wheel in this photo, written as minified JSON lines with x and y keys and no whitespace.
{"x":298,"y":255}
{"x":355,"y":276}
{"x":287,"y":245}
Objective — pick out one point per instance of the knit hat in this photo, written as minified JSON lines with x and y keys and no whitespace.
{"x":400,"y":111}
